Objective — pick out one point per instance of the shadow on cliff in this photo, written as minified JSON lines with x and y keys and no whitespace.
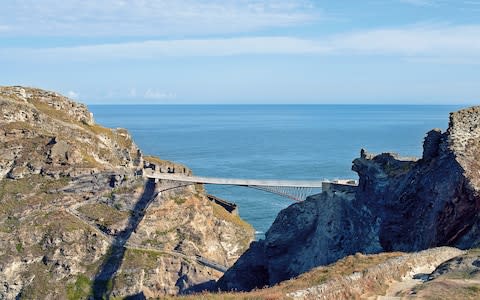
{"x":207,"y":286}
{"x":103,"y":281}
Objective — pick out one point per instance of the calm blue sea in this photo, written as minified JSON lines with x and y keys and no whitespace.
{"x":272,"y":141}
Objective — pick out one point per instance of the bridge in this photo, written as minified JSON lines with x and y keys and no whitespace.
{"x":297,"y":190}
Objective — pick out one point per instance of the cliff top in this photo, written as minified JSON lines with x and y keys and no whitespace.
{"x":49,"y":103}
{"x":46,"y":133}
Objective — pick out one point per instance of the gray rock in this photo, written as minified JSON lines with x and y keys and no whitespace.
{"x":17,"y":172}
{"x":401,"y":204}
{"x":431,"y":146}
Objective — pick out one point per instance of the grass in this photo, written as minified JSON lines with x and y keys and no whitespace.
{"x":16,"y":195}
{"x":19,"y":247}
{"x":165,"y":163}
{"x":180,"y":235}
{"x":41,"y":283}
{"x":221,"y":213}
{"x":31,"y":183}
{"x":80,"y":289}
{"x":155,"y":160}
{"x":53,"y":113}
{"x":103,"y":214}
{"x":447,"y":289}
{"x":179,"y":200}
{"x":473,"y":288}
{"x":89,"y":160}
{"x":10,"y":224}
{"x":17,"y":125}
{"x":164,"y":233}
{"x":125,"y":189}
{"x":121,"y":136}
{"x":60,"y":221}
{"x":130,"y":188}
{"x":345,"y":266}
{"x":152,"y":243}
{"x":136,"y":258}
{"x":19,"y":186}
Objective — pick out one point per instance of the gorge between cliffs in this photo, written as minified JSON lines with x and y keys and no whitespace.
{"x":78,"y":220}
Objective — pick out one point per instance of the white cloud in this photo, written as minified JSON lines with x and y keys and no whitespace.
{"x":72,"y":95}
{"x":420,"y":41}
{"x":155,"y":94}
{"x":414,"y":40}
{"x":189,"y":47}
{"x":151,"y":17}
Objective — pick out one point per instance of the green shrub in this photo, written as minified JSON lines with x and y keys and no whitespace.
{"x":81,"y":289}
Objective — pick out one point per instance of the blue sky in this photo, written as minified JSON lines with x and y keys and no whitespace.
{"x":245,"y":51}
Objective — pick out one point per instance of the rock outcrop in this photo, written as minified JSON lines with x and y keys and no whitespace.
{"x":401,"y":204}
{"x":77,"y":220}
{"x":375,"y":280}
{"x":45,"y":133}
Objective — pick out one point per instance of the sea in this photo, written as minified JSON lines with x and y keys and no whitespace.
{"x":304,"y":142}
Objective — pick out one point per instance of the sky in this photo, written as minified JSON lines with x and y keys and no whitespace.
{"x":244,"y":51}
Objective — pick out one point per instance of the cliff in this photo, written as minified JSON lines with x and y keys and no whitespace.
{"x":401,"y":204}
{"x":76,"y":220}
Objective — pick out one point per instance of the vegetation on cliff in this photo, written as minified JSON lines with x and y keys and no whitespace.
{"x":77,"y":221}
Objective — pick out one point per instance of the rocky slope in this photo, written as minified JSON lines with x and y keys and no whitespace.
{"x":399,"y":205}
{"x":382,"y":279}
{"x":436,"y":273}
{"x":456,"y":278}
{"x":76,"y":220}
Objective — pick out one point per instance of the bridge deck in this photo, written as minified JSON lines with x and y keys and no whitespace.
{"x":236,"y":181}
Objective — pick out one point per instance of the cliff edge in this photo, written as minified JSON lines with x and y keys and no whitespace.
{"x":78,"y":221}
{"x":400,"y":204}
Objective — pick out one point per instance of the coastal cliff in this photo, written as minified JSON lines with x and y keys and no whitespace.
{"x":400,"y":204}
{"x":77,"y":220}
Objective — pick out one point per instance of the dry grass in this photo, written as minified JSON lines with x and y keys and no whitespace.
{"x":164,"y":163}
{"x":156,"y":160}
{"x":53,"y":113}
{"x":221,"y":213}
{"x":448,"y":289}
{"x":103,"y":214}
{"x":136,"y":258}
{"x":17,"y":125}
{"x":345,"y":266}
{"x":31,"y":191}
{"x":133,"y":261}
{"x":462,"y":283}
{"x":119,"y":136}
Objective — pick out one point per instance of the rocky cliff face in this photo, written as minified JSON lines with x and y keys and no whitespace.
{"x":400,"y":205}
{"x":77,"y":221}
{"x":45,"y":133}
